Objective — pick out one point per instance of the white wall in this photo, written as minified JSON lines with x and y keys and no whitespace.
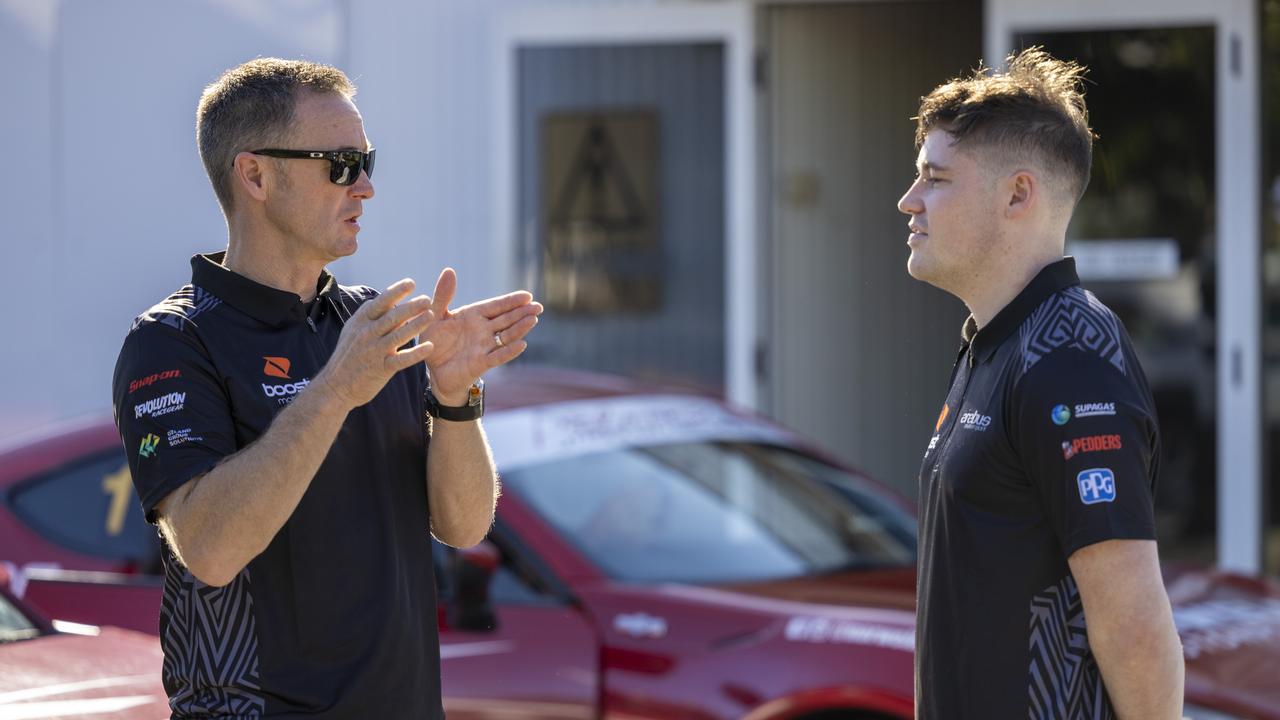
{"x":108,"y":199}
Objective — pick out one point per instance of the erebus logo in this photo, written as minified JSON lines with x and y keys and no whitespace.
{"x":285,"y":393}
{"x":974,"y":420}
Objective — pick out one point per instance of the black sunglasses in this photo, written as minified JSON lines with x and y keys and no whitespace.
{"x":344,"y":165}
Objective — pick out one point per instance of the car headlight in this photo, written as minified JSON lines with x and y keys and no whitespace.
{"x":1195,"y":712}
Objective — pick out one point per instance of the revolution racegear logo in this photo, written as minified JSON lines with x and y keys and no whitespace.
{"x":162,"y":405}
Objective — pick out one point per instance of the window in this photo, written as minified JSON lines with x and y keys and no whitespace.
{"x":90,"y":507}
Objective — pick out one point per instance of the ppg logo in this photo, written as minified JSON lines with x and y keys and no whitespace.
{"x":1096,"y":486}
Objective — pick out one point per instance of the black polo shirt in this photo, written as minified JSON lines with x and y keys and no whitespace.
{"x":1047,"y":443}
{"x":337,"y":616}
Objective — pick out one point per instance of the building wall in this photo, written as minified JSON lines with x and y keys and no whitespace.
{"x":682,"y":338}
{"x":859,"y":353}
{"x":110,"y":200}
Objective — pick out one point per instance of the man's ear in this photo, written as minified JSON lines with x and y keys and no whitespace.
{"x":1023,"y":191}
{"x":249,"y":171}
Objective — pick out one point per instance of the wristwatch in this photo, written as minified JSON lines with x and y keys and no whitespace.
{"x":473,"y":410}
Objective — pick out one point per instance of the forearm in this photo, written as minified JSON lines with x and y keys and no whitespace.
{"x":225,"y":518}
{"x":1130,"y":626}
{"x":462,"y":485}
{"x":1141,"y":661}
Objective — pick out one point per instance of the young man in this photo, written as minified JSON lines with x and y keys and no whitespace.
{"x":1040,"y":592}
{"x":276,"y":426}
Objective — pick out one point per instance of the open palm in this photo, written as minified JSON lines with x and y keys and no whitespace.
{"x":473,"y":339}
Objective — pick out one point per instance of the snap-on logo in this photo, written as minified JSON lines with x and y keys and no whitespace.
{"x":153,"y":378}
{"x":276,"y":367}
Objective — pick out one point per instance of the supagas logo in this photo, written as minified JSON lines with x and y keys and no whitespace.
{"x":1061,"y":415}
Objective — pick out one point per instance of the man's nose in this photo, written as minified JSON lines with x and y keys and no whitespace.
{"x":909,"y":203}
{"x":363,"y":186}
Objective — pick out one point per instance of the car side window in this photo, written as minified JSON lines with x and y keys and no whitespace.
{"x":89,"y":507}
{"x":509,"y":586}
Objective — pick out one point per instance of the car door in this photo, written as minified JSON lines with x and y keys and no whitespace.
{"x":539,"y":659}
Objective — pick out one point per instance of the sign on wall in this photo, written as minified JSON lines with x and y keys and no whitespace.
{"x":601,"y":251}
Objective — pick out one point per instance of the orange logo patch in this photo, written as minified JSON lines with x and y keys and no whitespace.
{"x":276,"y":367}
{"x":942,"y":417}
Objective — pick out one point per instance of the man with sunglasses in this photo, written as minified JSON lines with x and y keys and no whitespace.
{"x":277,"y":426}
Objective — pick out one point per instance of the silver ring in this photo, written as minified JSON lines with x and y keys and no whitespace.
{"x":497,"y":338}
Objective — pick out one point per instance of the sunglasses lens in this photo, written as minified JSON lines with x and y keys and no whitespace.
{"x":368,"y":163}
{"x":344,"y":168}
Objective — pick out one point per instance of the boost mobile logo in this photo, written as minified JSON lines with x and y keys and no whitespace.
{"x":276,"y":367}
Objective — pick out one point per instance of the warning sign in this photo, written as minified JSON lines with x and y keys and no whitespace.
{"x":600,"y":245}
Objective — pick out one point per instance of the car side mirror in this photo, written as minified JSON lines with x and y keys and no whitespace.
{"x":472,"y":571}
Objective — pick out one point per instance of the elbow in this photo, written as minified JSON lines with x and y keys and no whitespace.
{"x":462,"y":536}
{"x":462,"y":539}
{"x":204,"y":563}
{"x":212,"y":572}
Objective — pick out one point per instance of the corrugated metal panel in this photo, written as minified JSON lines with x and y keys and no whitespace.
{"x":684,"y":86}
{"x":860,"y":352}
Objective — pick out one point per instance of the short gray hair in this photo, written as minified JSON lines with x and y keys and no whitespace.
{"x":251,"y":106}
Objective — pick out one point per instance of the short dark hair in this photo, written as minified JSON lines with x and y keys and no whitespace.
{"x":1034,"y":110}
{"x":251,"y":106}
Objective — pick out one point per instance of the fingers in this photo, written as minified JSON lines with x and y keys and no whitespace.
{"x":411,"y":329}
{"x":507,"y":319}
{"x":409,"y":357}
{"x":446,"y":287}
{"x":493,"y":307}
{"x":516,"y":332}
{"x":505,"y":354}
{"x":395,"y":292}
{"x":402,"y":313}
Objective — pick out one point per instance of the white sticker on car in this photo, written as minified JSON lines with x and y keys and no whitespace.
{"x":543,"y":433}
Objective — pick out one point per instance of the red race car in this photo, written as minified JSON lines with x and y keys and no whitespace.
{"x":656,"y":554}
{"x":61,"y":669}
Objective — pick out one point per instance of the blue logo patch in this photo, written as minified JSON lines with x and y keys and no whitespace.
{"x":1097,"y":485}
{"x":1061,"y":415}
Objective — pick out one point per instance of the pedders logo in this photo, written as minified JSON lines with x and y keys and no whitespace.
{"x":1092,"y":443}
{"x":153,"y":378}
{"x":283,"y":393}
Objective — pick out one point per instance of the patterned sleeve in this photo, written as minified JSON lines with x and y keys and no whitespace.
{"x":171,"y":409}
{"x":1085,"y":433}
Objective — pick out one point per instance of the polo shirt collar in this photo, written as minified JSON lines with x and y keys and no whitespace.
{"x":266,"y":304}
{"x":1054,"y":277}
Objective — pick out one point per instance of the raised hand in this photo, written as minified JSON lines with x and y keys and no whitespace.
{"x":473,"y":339}
{"x":366,"y":355}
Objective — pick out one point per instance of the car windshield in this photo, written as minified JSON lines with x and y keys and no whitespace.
{"x":13,"y":624}
{"x":715,"y":511}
